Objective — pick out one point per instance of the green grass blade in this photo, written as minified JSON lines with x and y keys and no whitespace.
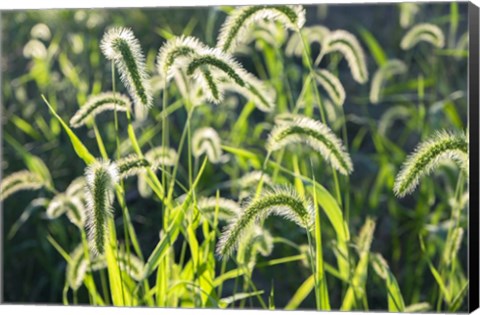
{"x":78,"y":146}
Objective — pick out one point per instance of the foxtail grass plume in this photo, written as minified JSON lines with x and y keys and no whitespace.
{"x":427,"y":156}
{"x":453,"y":245}
{"x":348,"y":45}
{"x":235,"y":28}
{"x":365,"y":237}
{"x":227,"y":208}
{"x":314,"y":134}
{"x":282,"y":201}
{"x":101,"y":178}
{"x":131,"y":165}
{"x":389,"y":69}
{"x":332,"y":85}
{"x":255,"y":90}
{"x":256,"y":241}
{"x":121,"y":46}
{"x":311,"y":34}
{"x":130,"y":264}
{"x":251,"y":179}
{"x":161,"y":156}
{"x":97,"y":104}
{"x":22,"y":180}
{"x":386,"y":121}
{"x":176,"y":52}
{"x":408,"y":10}
{"x":76,"y":268}
{"x":207,"y":141}
{"x":425,"y":32}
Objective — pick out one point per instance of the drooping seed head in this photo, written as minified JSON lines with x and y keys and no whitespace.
{"x":100,"y":103}
{"x":314,"y":134}
{"x":408,"y":10}
{"x":239,"y":22}
{"x":332,"y":85}
{"x":101,"y":178}
{"x":216,"y":60}
{"x":389,"y":69}
{"x":121,"y":46}
{"x":397,"y":112}
{"x":22,"y":180}
{"x":176,"y":52}
{"x":57,"y":207}
{"x":251,"y":179}
{"x":427,"y":156}
{"x":130,"y":264}
{"x":424,"y":32}
{"x":365,"y":236}
{"x":255,"y":241}
{"x":207,"y":141}
{"x":161,"y":156}
{"x":348,"y":45}
{"x":77,"y":268}
{"x":453,"y":246}
{"x":76,"y":211}
{"x":227,"y":208}
{"x":255,"y":90}
{"x":131,"y":165}
{"x":282,"y":201}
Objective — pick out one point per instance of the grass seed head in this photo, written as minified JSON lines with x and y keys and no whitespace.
{"x":389,"y":69}
{"x":22,"y":180}
{"x":97,"y":104}
{"x":348,"y":45}
{"x":316,"y":135}
{"x":332,"y":85}
{"x":426,"y":158}
{"x":235,"y":29}
{"x":121,"y":46}
{"x":282,"y":201}
{"x":425,"y":32}
{"x":101,"y":178}
{"x":207,"y":141}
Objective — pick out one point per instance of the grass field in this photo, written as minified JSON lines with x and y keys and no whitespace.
{"x":282,"y":157}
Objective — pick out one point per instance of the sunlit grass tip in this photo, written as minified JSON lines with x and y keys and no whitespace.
{"x":426,"y":158}
{"x":100,"y":103}
{"x":283,"y":201}
{"x":101,"y":178}
{"x":425,"y":32}
{"x":121,"y":46}
{"x":347,"y":44}
{"x":18,"y":181}
{"x":389,"y":69}
{"x":237,"y":25}
{"x":316,"y":135}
